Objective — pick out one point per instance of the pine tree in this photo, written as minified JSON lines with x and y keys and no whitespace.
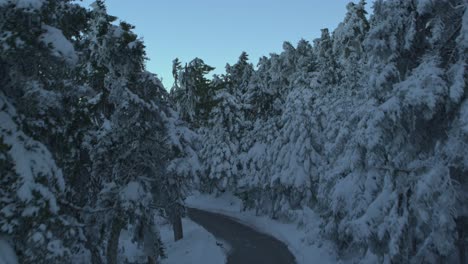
{"x":392,"y":35}
{"x":194,"y":98}
{"x":327,"y":63}
{"x":239,"y":74}
{"x":348,"y":40}
{"x":176,"y":68}
{"x":32,"y":186}
{"x":131,"y":175}
{"x":260,"y":94}
{"x":221,"y":144}
{"x":306,"y":65}
{"x":294,"y":177}
{"x":37,"y":57}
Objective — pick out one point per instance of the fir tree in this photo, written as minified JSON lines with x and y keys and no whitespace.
{"x":327,"y":63}
{"x":348,"y":40}
{"x":194,"y":97}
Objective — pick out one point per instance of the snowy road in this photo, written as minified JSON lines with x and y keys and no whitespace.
{"x":247,"y":245}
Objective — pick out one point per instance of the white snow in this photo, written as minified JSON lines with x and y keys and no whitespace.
{"x":132,"y":192}
{"x":32,"y":160}
{"x":7,"y":254}
{"x":61,"y":46}
{"x":302,"y":238}
{"x":197,"y":246}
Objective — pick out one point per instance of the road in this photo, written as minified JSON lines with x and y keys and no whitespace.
{"x":247,"y":245}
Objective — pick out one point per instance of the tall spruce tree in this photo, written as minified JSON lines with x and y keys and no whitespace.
{"x":348,"y":47}
{"x":194,"y":98}
{"x":326,"y":60}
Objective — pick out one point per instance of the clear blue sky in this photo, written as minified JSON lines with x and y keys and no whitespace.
{"x":217,"y":31}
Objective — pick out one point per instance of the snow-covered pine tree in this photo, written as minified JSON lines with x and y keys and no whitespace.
{"x":132,"y":174}
{"x":295,"y":151}
{"x":260,"y":94}
{"x":193,"y":98}
{"x":326,"y":60}
{"x":271,"y":83}
{"x":348,"y":40}
{"x":306,"y":65}
{"x":237,"y":83}
{"x":221,"y":144}
{"x":395,"y":146}
{"x":238,"y":75}
{"x":31,"y":188}
{"x":392,"y":36}
{"x":37,"y":59}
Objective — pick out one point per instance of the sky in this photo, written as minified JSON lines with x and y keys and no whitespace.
{"x":217,"y":31}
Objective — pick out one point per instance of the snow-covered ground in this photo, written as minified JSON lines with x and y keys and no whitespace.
{"x":197,"y":246}
{"x":7,"y":254}
{"x":302,"y":240}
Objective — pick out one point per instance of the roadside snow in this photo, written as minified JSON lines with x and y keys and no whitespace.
{"x":7,"y":254}
{"x":302,"y":240}
{"x":197,"y":246}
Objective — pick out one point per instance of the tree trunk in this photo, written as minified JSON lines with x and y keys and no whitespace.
{"x":461,"y":225}
{"x":177,"y":227}
{"x":113,"y":242}
{"x":151,"y":260}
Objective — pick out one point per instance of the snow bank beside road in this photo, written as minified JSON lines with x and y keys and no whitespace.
{"x":7,"y":254}
{"x":197,"y":246}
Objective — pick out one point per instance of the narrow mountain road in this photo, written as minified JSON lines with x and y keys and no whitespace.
{"x":247,"y":245}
